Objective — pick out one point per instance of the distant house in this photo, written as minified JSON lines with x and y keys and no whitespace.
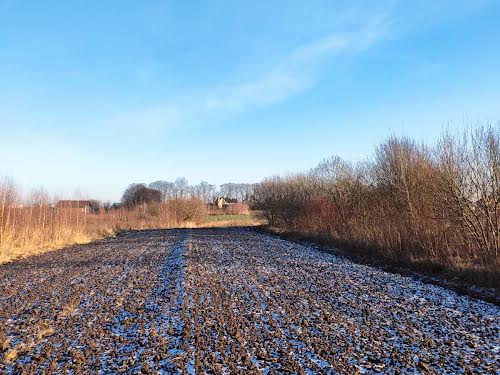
{"x":82,"y":205}
{"x":220,"y":202}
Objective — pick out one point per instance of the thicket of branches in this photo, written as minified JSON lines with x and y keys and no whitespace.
{"x":412,"y":202}
{"x":138,"y":194}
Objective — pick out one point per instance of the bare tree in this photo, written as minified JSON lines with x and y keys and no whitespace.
{"x":165,"y":188}
{"x":181,"y":187}
{"x":8,"y":197}
{"x":470,"y":185}
{"x":139,"y":194}
{"x":410,"y":202}
{"x":39,"y":197}
{"x":237,"y":191}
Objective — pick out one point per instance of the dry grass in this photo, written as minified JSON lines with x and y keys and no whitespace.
{"x":27,"y":231}
{"x":40,"y":243}
{"x":233,"y":223}
{"x":35,"y":230}
{"x":241,"y":220}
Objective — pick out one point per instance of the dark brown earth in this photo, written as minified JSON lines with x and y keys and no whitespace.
{"x":231,"y":301}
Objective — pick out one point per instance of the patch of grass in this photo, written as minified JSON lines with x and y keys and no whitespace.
{"x":216,"y":218}
{"x":212,"y":221}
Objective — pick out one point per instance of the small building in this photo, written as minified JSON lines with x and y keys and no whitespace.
{"x":220,"y":202}
{"x":83,"y":205}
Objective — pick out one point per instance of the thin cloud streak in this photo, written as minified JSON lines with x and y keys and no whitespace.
{"x":291,"y":75}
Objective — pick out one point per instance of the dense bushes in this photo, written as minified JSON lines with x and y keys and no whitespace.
{"x":410,"y":202}
{"x":138,"y":194}
{"x":187,"y":210}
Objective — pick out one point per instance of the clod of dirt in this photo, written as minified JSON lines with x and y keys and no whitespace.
{"x":231,"y":301}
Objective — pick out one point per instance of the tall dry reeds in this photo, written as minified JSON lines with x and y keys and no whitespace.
{"x":40,"y":225}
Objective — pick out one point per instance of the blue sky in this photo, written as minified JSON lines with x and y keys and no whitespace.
{"x":97,"y":94}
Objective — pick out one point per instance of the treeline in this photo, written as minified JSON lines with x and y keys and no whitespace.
{"x":180,"y":189}
{"x":191,"y":200}
{"x":411,"y":202}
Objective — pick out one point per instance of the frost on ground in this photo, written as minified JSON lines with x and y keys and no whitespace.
{"x":231,"y":301}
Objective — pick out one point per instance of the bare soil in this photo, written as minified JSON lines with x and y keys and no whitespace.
{"x":231,"y":300}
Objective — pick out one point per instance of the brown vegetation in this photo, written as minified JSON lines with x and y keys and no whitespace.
{"x":43,"y":226}
{"x":412,"y":203}
{"x":187,"y":210}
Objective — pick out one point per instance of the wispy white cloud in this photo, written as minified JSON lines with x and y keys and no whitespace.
{"x":293,"y":73}
{"x":285,"y":77}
